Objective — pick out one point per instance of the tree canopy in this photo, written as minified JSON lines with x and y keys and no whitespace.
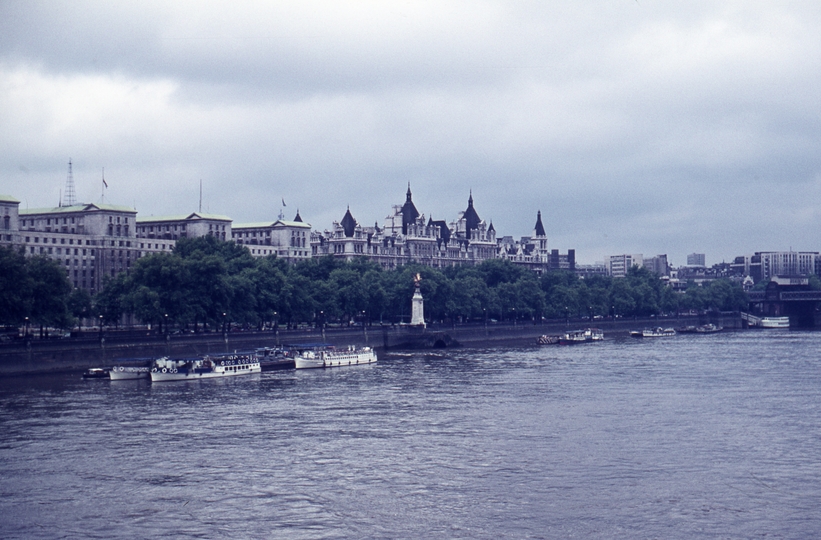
{"x":209,"y":281}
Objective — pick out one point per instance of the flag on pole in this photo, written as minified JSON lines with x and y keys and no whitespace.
{"x":283,"y":202}
{"x":104,"y":182}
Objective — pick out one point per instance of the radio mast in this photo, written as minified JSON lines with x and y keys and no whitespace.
{"x":70,"y":199}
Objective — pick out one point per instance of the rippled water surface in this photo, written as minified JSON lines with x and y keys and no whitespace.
{"x":713,"y":436}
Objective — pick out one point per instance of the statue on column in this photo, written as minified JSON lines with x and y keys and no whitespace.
{"x":417,"y":304}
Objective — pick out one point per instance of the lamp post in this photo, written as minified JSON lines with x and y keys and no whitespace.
{"x":27,"y":328}
{"x":484,"y":313}
{"x":514,"y":317}
{"x":101,"y":327}
{"x":566,"y":316}
{"x":322,"y":323}
{"x":224,"y":320}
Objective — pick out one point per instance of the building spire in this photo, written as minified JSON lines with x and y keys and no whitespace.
{"x":539,"y":228}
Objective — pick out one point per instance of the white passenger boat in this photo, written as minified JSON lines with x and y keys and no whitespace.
{"x":208,"y":367}
{"x":774,"y":322}
{"x":122,"y":373}
{"x":330,"y":357}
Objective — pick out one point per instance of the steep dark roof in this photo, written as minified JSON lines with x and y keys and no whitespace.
{"x":348,"y":224}
{"x":491,"y":228}
{"x":409,"y":212}
{"x":472,"y":219}
{"x":539,"y":226}
{"x":297,"y":218}
{"x":444,"y":231}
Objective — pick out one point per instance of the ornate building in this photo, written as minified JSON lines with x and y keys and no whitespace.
{"x":406,"y":237}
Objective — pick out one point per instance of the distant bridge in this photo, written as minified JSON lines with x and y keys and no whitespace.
{"x":779,"y":300}
{"x":785,"y":296}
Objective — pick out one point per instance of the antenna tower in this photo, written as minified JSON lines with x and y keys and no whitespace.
{"x":70,"y":198}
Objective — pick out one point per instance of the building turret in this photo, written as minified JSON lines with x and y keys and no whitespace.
{"x":409,"y":212}
{"x":348,"y":224}
{"x":471,"y":218}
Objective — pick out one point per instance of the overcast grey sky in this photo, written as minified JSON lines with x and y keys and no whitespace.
{"x":634,"y":126}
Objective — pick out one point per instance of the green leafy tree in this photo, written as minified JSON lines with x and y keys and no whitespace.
{"x":79,"y":304}
{"x":15,"y":287}
{"x":50,"y":289}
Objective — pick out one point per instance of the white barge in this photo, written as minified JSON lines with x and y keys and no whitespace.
{"x":208,"y":367}
{"x":330,"y":357}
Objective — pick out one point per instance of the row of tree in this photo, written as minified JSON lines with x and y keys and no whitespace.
{"x":205,"y":281}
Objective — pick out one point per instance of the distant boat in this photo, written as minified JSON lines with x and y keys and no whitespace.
{"x":96,"y":373}
{"x":774,"y":322}
{"x":588,"y":335}
{"x":708,"y":329}
{"x":653,"y":332}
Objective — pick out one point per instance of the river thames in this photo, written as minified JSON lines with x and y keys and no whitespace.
{"x":695,"y":436}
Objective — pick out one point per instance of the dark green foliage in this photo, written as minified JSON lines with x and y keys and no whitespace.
{"x":204,"y":278}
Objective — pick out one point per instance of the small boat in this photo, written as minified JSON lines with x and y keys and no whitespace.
{"x":271,"y":359}
{"x":588,"y":335}
{"x":653,"y":332}
{"x":548,"y":340}
{"x":686,"y":329}
{"x":330,"y":357}
{"x":708,"y":329}
{"x":122,"y":373}
{"x":95,"y":373}
{"x":208,"y":367}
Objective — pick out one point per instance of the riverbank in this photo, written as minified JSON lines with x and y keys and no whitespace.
{"x":80,"y":353}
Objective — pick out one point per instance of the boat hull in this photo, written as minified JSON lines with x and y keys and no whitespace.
{"x":124,"y":373}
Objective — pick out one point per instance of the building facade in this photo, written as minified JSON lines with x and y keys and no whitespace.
{"x":618,"y":265}
{"x":91,"y":241}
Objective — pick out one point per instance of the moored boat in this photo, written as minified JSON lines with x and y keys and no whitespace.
{"x":331,"y":357}
{"x":588,"y":335}
{"x":653,"y":332}
{"x":271,"y":359}
{"x":95,"y":373}
{"x":548,"y":340}
{"x":774,"y":322}
{"x":708,"y":329}
{"x":208,"y":367}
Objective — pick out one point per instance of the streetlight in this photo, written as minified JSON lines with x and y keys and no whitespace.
{"x":166,"y":324}
{"x":101,"y":327}
{"x":514,"y":317}
{"x":224,"y":329}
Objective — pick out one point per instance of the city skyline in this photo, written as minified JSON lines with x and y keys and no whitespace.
{"x":634,"y":127}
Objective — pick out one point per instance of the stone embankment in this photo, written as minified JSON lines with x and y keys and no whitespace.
{"x":111,"y":348}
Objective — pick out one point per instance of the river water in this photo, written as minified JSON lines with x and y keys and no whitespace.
{"x":715,"y":436}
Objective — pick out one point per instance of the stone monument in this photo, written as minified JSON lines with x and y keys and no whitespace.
{"x":417,"y":304}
